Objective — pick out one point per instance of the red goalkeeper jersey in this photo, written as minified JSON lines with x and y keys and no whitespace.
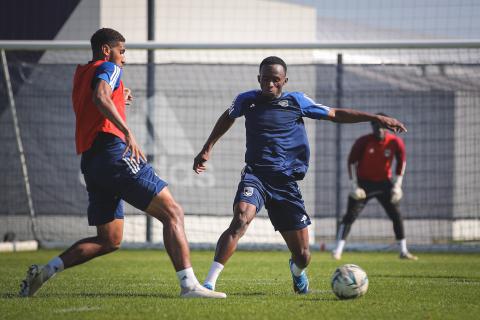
{"x":375,"y":157}
{"x":89,"y":120}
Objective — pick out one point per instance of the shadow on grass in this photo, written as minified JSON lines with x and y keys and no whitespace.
{"x":315,"y":299}
{"x":247,"y":294}
{"x":321,"y":295}
{"x":315,"y":295}
{"x":10,"y":295}
{"x":417,"y":276}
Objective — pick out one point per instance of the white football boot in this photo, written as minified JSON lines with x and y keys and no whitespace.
{"x":336,"y":255}
{"x":198,"y":291}
{"x":408,"y":256}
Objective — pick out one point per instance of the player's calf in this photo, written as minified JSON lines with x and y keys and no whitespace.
{"x":302,"y":257}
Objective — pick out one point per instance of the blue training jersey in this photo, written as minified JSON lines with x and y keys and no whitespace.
{"x":277,"y":144}
{"x":109,"y":72}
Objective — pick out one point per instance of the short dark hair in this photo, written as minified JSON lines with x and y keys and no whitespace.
{"x":105,"y":36}
{"x":268,"y":61}
{"x":379,"y":114}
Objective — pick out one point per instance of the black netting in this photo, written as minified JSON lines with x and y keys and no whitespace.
{"x":438,"y":102}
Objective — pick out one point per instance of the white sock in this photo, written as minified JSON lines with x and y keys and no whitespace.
{"x":213,"y":274}
{"x":296,"y":270}
{"x":187,"y":278}
{"x":54,"y":266}
{"x":403,"y":245}
{"x":340,"y":246}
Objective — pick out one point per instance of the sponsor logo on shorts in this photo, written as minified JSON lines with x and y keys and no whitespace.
{"x":371,"y":150}
{"x":387,"y":153}
{"x":248,"y":191}
{"x":304,"y":219}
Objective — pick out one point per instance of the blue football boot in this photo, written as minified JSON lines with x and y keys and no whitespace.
{"x":300,"y":283}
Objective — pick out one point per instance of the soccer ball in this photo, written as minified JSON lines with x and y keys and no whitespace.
{"x":349,"y":281}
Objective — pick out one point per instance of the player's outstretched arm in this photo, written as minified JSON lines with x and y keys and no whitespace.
{"x":353,"y":116}
{"x":224,"y":123}
{"x":102,"y":99}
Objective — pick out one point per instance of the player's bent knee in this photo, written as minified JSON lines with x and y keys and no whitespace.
{"x":242,"y":208}
{"x":174,"y":215}
{"x":111,"y":245}
{"x":114,"y":246}
{"x":168,"y":212}
{"x":239,"y":225}
{"x":110,"y":235}
{"x":243,"y":215}
{"x":176,"y":212}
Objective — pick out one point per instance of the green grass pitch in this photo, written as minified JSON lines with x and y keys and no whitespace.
{"x":142,"y":285}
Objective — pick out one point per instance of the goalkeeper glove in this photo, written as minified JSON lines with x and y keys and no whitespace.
{"x":357,"y":193}
{"x":397,"y":192}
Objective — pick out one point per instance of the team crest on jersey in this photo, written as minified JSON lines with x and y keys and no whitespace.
{"x":252,"y":106}
{"x":283,"y":103}
{"x":248,"y":191}
{"x":387,"y":153}
{"x":371,"y":150}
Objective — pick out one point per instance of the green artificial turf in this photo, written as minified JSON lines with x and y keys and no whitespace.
{"x":142,"y":285}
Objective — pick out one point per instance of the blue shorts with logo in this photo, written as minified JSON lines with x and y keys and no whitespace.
{"x":281,"y":197}
{"x":111,"y":177}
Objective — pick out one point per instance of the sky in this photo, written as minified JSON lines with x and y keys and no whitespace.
{"x":395,"y":19}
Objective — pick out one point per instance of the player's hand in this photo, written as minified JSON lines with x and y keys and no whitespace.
{"x":127,"y":94}
{"x":134,"y":148}
{"x":199,"y":161}
{"x":391,"y":124}
{"x":397,"y":195}
{"x":357,"y":193}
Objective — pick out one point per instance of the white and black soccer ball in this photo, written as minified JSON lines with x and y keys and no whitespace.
{"x":349,"y":281}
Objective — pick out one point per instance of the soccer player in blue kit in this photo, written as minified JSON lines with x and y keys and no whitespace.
{"x":115,"y":170}
{"x":277,"y":155}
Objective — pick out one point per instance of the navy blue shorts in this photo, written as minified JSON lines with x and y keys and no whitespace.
{"x":110,"y":178}
{"x":282,"y":199}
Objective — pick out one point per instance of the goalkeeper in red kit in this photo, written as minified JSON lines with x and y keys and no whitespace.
{"x":369,"y":167}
